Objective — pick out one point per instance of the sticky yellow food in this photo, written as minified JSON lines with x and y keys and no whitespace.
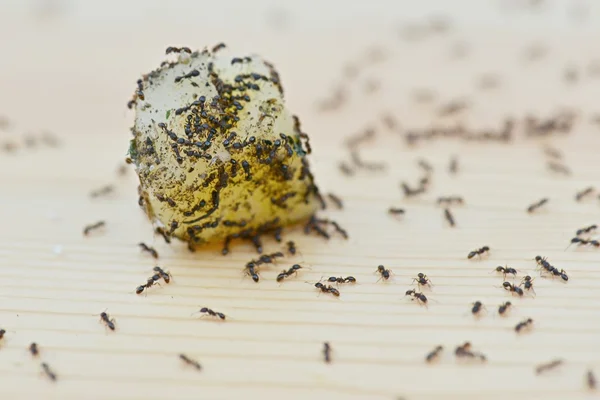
{"x":217,"y":153}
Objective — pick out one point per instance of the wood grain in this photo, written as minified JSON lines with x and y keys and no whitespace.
{"x":54,"y":282}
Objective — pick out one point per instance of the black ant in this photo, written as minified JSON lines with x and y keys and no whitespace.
{"x":348,"y":279}
{"x":208,"y":311}
{"x":48,"y":371}
{"x":591,"y":379}
{"x":537,"y":205}
{"x":2,"y":332}
{"x":88,"y":228}
{"x":33,"y":349}
{"x":587,"y":229}
{"x":218,"y":47}
{"x":336,"y":200}
{"x":477,"y":307}
{"x":191,"y":362}
{"x":327,"y":289}
{"x":422,"y":280}
{"x":291,"y":247}
{"x":149,"y":249}
{"x":385,"y":273}
{"x":512,"y":288}
{"x":284,"y":274}
{"x":251,"y":271}
{"x":172,"y":49}
{"x":522,"y":325}
{"x":449,"y":217}
{"x":327,"y":352}
{"x":585,"y":192}
{"x":506,"y":270}
{"x":396,"y":211}
{"x":450,"y":200}
{"x":434,"y":354}
{"x":527,"y":282}
{"x":109,"y":322}
{"x":551,"y":365}
{"x":420,"y":297}
{"x":502,"y":308}
{"x":464,"y":351}
{"x":584,"y":242}
{"x":153,"y":280}
{"x":163,"y":274}
{"x":549,"y":268}
{"x":478,"y":252}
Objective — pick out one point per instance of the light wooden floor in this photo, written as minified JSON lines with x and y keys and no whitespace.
{"x":74,"y":78}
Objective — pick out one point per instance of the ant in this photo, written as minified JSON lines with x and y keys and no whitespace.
{"x":551,"y":365}
{"x":109,"y":322}
{"x":88,"y":228}
{"x":284,"y":274}
{"x":396,"y":211}
{"x":422,"y":279}
{"x":191,"y":362}
{"x":102,"y":191}
{"x":549,"y":268}
{"x":506,"y":270}
{"x":218,"y":47}
{"x":478,"y":252}
{"x":587,"y":229}
{"x":385,"y":273}
{"x":585,"y":192}
{"x":251,"y":271}
{"x":527,"y":282}
{"x":584,"y":242}
{"x":33,"y":349}
{"x":2,"y":332}
{"x":449,"y":217}
{"x":327,"y":289}
{"x":291,"y":247}
{"x":434,"y":354}
{"x":327,"y":352}
{"x":163,"y":274}
{"x":338,"y":202}
{"x":348,"y":279}
{"x":537,"y":205}
{"x":172,"y":49}
{"x":504,"y":307}
{"x":416,"y":295}
{"x":149,"y":249}
{"x":512,"y":288}
{"x":48,"y":371}
{"x":465,"y":351}
{"x":477,"y":307}
{"x":153,"y":280}
{"x":591,"y":380}
{"x":524,"y":324}
{"x":212,"y":313}
{"x":453,"y":167}
{"x":450,"y":200}
{"x":556,"y":167}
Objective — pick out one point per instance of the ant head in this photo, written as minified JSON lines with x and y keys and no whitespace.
{"x":409,"y":292}
{"x":380,"y":268}
{"x":499,"y":268}
{"x":296,"y":267}
{"x":203,"y":309}
{"x":507,"y":285}
{"x":421,"y":275}
{"x":319,"y":285}
{"x":485,"y":248}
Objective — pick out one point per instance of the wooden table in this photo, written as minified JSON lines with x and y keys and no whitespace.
{"x":72,"y":75}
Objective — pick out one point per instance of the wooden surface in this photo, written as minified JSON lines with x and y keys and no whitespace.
{"x":72,"y":75}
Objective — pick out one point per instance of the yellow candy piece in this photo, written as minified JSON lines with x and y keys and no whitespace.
{"x":217,"y":153}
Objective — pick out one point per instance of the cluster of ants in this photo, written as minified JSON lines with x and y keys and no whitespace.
{"x":463,"y":351}
{"x":583,"y":241}
{"x":153,"y":280}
